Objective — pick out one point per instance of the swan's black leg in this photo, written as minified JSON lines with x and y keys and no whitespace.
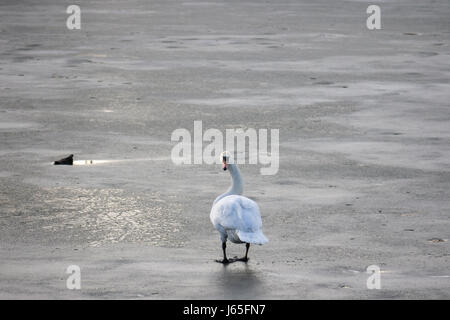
{"x":247,"y":246}
{"x":245,"y":259}
{"x":225,"y":260}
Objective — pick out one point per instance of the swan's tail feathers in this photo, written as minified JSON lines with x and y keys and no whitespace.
{"x":256,"y":237}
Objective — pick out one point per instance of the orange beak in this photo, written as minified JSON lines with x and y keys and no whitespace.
{"x":225,"y":166}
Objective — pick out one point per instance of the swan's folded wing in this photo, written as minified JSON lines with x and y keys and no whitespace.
{"x":237,"y":212}
{"x":249,"y":214}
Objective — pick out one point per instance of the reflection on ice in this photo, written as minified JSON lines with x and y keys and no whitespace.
{"x":94,"y":162}
{"x":89,"y":162}
{"x":95,"y":217}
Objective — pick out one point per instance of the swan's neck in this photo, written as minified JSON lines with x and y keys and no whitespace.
{"x":237,"y":187}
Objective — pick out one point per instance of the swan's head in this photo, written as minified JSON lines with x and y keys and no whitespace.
{"x":225,"y":157}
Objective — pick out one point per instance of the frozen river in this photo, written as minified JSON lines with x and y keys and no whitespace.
{"x":364,"y":147}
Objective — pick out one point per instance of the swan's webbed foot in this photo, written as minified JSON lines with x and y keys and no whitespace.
{"x":243,"y":259}
{"x":236,"y":259}
{"x":231,"y":260}
{"x":223,"y":261}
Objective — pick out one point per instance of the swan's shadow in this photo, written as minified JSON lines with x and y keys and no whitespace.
{"x":239,"y":281}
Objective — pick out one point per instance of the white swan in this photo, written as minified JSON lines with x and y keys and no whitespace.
{"x":237,"y":218}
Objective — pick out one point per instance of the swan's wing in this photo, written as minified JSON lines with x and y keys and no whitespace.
{"x":237,"y":212}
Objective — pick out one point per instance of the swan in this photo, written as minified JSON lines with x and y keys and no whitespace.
{"x":236,"y":217}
